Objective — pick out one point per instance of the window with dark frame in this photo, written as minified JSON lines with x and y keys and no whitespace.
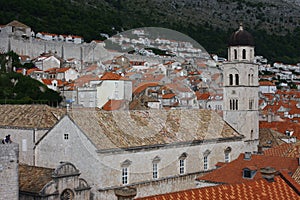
{"x":125,"y":175}
{"x":66,"y":136}
{"x":155,"y":170}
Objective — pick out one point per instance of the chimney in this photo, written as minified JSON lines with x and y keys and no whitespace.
{"x":126,"y":193}
{"x":268,"y":173}
{"x":247,"y":156}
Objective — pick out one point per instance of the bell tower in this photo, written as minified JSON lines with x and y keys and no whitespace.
{"x":241,"y":87}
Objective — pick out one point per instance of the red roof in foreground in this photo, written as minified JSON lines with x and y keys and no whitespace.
{"x":232,"y":172}
{"x":283,"y":187}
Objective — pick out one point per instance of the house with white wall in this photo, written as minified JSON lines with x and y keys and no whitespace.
{"x":113,"y":87}
{"x":267,"y":87}
{"x":67,"y":74}
{"x":47,"y":61}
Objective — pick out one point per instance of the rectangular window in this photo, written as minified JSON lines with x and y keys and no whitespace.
{"x":181,"y":166}
{"x":251,"y":104}
{"x":155,"y":171}
{"x":227,"y":157}
{"x":124,"y":175}
{"x":205,"y":162}
{"x":24,"y":145}
{"x":66,"y":136}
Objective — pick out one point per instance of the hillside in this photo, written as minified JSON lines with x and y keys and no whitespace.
{"x":274,"y":24}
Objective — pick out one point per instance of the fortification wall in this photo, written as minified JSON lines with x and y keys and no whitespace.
{"x":86,"y":52}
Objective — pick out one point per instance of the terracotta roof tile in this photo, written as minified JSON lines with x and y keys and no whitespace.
{"x":168,"y":96}
{"x":85,"y":79}
{"x":62,"y":70}
{"x":266,"y":83}
{"x":30,"y":116}
{"x":202,"y":96}
{"x":270,"y":138}
{"x":282,"y":127}
{"x":233,"y":172}
{"x":285,"y":150}
{"x":30,"y":71}
{"x":280,"y":188}
{"x":32,"y":179}
{"x":296,"y":175}
{"x":111,"y":105}
{"x":141,"y":87}
{"x":150,"y":127}
{"x":110,"y":76}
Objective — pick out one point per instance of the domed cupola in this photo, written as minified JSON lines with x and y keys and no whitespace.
{"x":241,"y":46}
{"x":241,"y":38}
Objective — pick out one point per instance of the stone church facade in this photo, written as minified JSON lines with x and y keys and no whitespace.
{"x":132,"y":148}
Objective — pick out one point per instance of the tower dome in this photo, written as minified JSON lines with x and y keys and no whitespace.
{"x":241,"y":38}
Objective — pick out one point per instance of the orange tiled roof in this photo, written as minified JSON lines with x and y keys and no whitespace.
{"x":282,"y":126}
{"x":53,"y":69}
{"x":285,"y":150}
{"x":281,"y":188}
{"x":233,"y":172}
{"x":141,"y":87}
{"x":168,"y":96}
{"x":49,"y":82}
{"x":113,"y":105}
{"x":110,"y":76}
{"x":61,"y":70}
{"x":266,"y":83}
{"x":29,"y":71}
{"x":202,"y":96}
{"x":79,"y":82}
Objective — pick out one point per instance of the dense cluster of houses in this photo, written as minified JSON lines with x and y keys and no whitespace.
{"x":175,"y":121}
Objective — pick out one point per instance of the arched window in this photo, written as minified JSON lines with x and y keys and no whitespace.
{"x":227,"y":154}
{"x":235,"y":54}
{"x":244,"y":53}
{"x":182,"y":167}
{"x":236,"y":104}
{"x":125,"y":171}
{"x":155,"y":162}
{"x":230,"y":79}
{"x":205,"y":159}
{"x":252,"y":79}
{"x":248,"y":79}
{"x":230,"y":104}
{"x":237,"y":79}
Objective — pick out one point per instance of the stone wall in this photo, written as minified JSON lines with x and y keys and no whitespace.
{"x":9,"y":179}
{"x":85,"y":52}
{"x":148,"y":188}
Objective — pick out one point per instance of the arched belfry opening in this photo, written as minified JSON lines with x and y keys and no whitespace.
{"x":241,"y":46}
